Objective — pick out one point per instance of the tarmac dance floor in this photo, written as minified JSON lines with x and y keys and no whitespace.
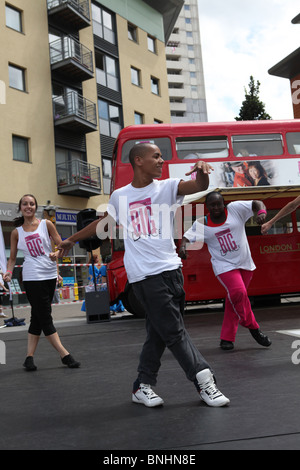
{"x":90,"y":408}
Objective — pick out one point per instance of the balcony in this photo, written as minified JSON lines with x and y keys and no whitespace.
{"x":74,"y":13}
{"x":71,"y":59}
{"x":74,"y":112}
{"x":78,"y":178}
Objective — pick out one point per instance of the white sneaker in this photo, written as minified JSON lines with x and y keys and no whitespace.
{"x":209,"y":391}
{"x":2,"y":315}
{"x":145,"y":395}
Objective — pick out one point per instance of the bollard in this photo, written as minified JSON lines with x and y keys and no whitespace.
{"x":76,"y":295}
{"x":2,"y":353}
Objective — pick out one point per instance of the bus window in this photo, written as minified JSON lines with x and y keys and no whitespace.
{"x":282,"y":226}
{"x":259,"y":144}
{"x":298,"y":219}
{"x":202,"y":147}
{"x":163,"y":143}
{"x":293,"y":142}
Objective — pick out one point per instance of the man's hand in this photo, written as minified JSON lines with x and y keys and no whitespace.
{"x":182,"y":250}
{"x":204,"y":167}
{"x":64,"y":247}
{"x":266,"y":227}
{"x":260,"y":219}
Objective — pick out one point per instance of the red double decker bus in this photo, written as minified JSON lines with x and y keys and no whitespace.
{"x":251,"y":160}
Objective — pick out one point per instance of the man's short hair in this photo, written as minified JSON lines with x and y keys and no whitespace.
{"x":140,"y":150}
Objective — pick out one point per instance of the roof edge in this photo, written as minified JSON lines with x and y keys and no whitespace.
{"x":170,"y":10}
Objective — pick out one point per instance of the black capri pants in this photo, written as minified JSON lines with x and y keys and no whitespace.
{"x":40,"y":295}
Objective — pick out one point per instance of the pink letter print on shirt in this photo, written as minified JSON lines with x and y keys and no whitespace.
{"x":226,"y":241}
{"x":141,"y":218}
{"x":35,"y":245}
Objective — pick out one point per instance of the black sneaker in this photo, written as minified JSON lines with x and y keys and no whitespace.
{"x":29,"y":364}
{"x":70,"y":362}
{"x":260,"y":338}
{"x":226,"y":345}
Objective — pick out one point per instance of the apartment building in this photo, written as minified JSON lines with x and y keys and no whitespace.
{"x":185,"y":67}
{"x":73,"y":73}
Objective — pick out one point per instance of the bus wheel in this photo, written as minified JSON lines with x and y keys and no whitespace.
{"x":131,"y":303}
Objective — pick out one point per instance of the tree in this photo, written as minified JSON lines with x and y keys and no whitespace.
{"x":252,"y":108}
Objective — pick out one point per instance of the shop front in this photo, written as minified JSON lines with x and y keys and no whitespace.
{"x":72,"y":268}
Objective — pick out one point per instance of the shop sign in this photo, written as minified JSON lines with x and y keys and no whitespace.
{"x":66,"y":217}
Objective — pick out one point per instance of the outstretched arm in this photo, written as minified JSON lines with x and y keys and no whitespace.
{"x":87,"y":232}
{"x":201,"y":182}
{"x":287,"y":209}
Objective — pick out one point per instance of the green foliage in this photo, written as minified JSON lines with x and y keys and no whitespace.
{"x":252,"y":108}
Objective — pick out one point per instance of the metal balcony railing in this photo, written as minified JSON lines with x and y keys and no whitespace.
{"x":82,"y":6}
{"x":68,"y":48}
{"x":72,"y":107}
{"x":78,"y":177}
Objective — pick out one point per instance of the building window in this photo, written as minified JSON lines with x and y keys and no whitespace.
{"x":177,"y":113}
{"x":189,"y":34}
{"x":151,"y":44}
{"x":13,"y":18}
{"x":20,"y":149}
{"x":103,"y":24}
{"x":138,"y":118}
{"x":16,"y":77}
{"x":135,"y":76}
{"x":188,"y":20}
{"x":193,"y":74}
{"x":64,"y":156}
{"x":107,"y":71}
{"x":157,"y":121}
{"x":132,"y":32}
{"x":109,"y":118}
{"x":106,"y":172}
{"x":155,"y":85}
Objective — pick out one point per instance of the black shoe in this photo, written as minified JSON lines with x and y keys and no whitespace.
{"x":70,"y":362}
{"x":260,"y":338}
{"x":226,"y":345}
{"x":29,"y":364}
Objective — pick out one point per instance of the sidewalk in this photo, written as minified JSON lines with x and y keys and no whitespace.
{"x":61,"y":313}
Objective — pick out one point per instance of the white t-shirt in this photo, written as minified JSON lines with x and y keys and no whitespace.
{"x":227,"y":243}
{"x":36,"y":247}
{"x":146,"y":215}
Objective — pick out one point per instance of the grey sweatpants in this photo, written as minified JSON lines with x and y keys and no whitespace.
{"x":162,"y":296}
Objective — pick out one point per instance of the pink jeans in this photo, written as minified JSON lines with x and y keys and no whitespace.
{"x":237,"y":304}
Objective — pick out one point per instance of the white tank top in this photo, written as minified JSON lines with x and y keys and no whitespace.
{"x":36,"y":247}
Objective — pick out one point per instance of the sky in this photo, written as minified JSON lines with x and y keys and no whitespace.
{"x":243,"y":38}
